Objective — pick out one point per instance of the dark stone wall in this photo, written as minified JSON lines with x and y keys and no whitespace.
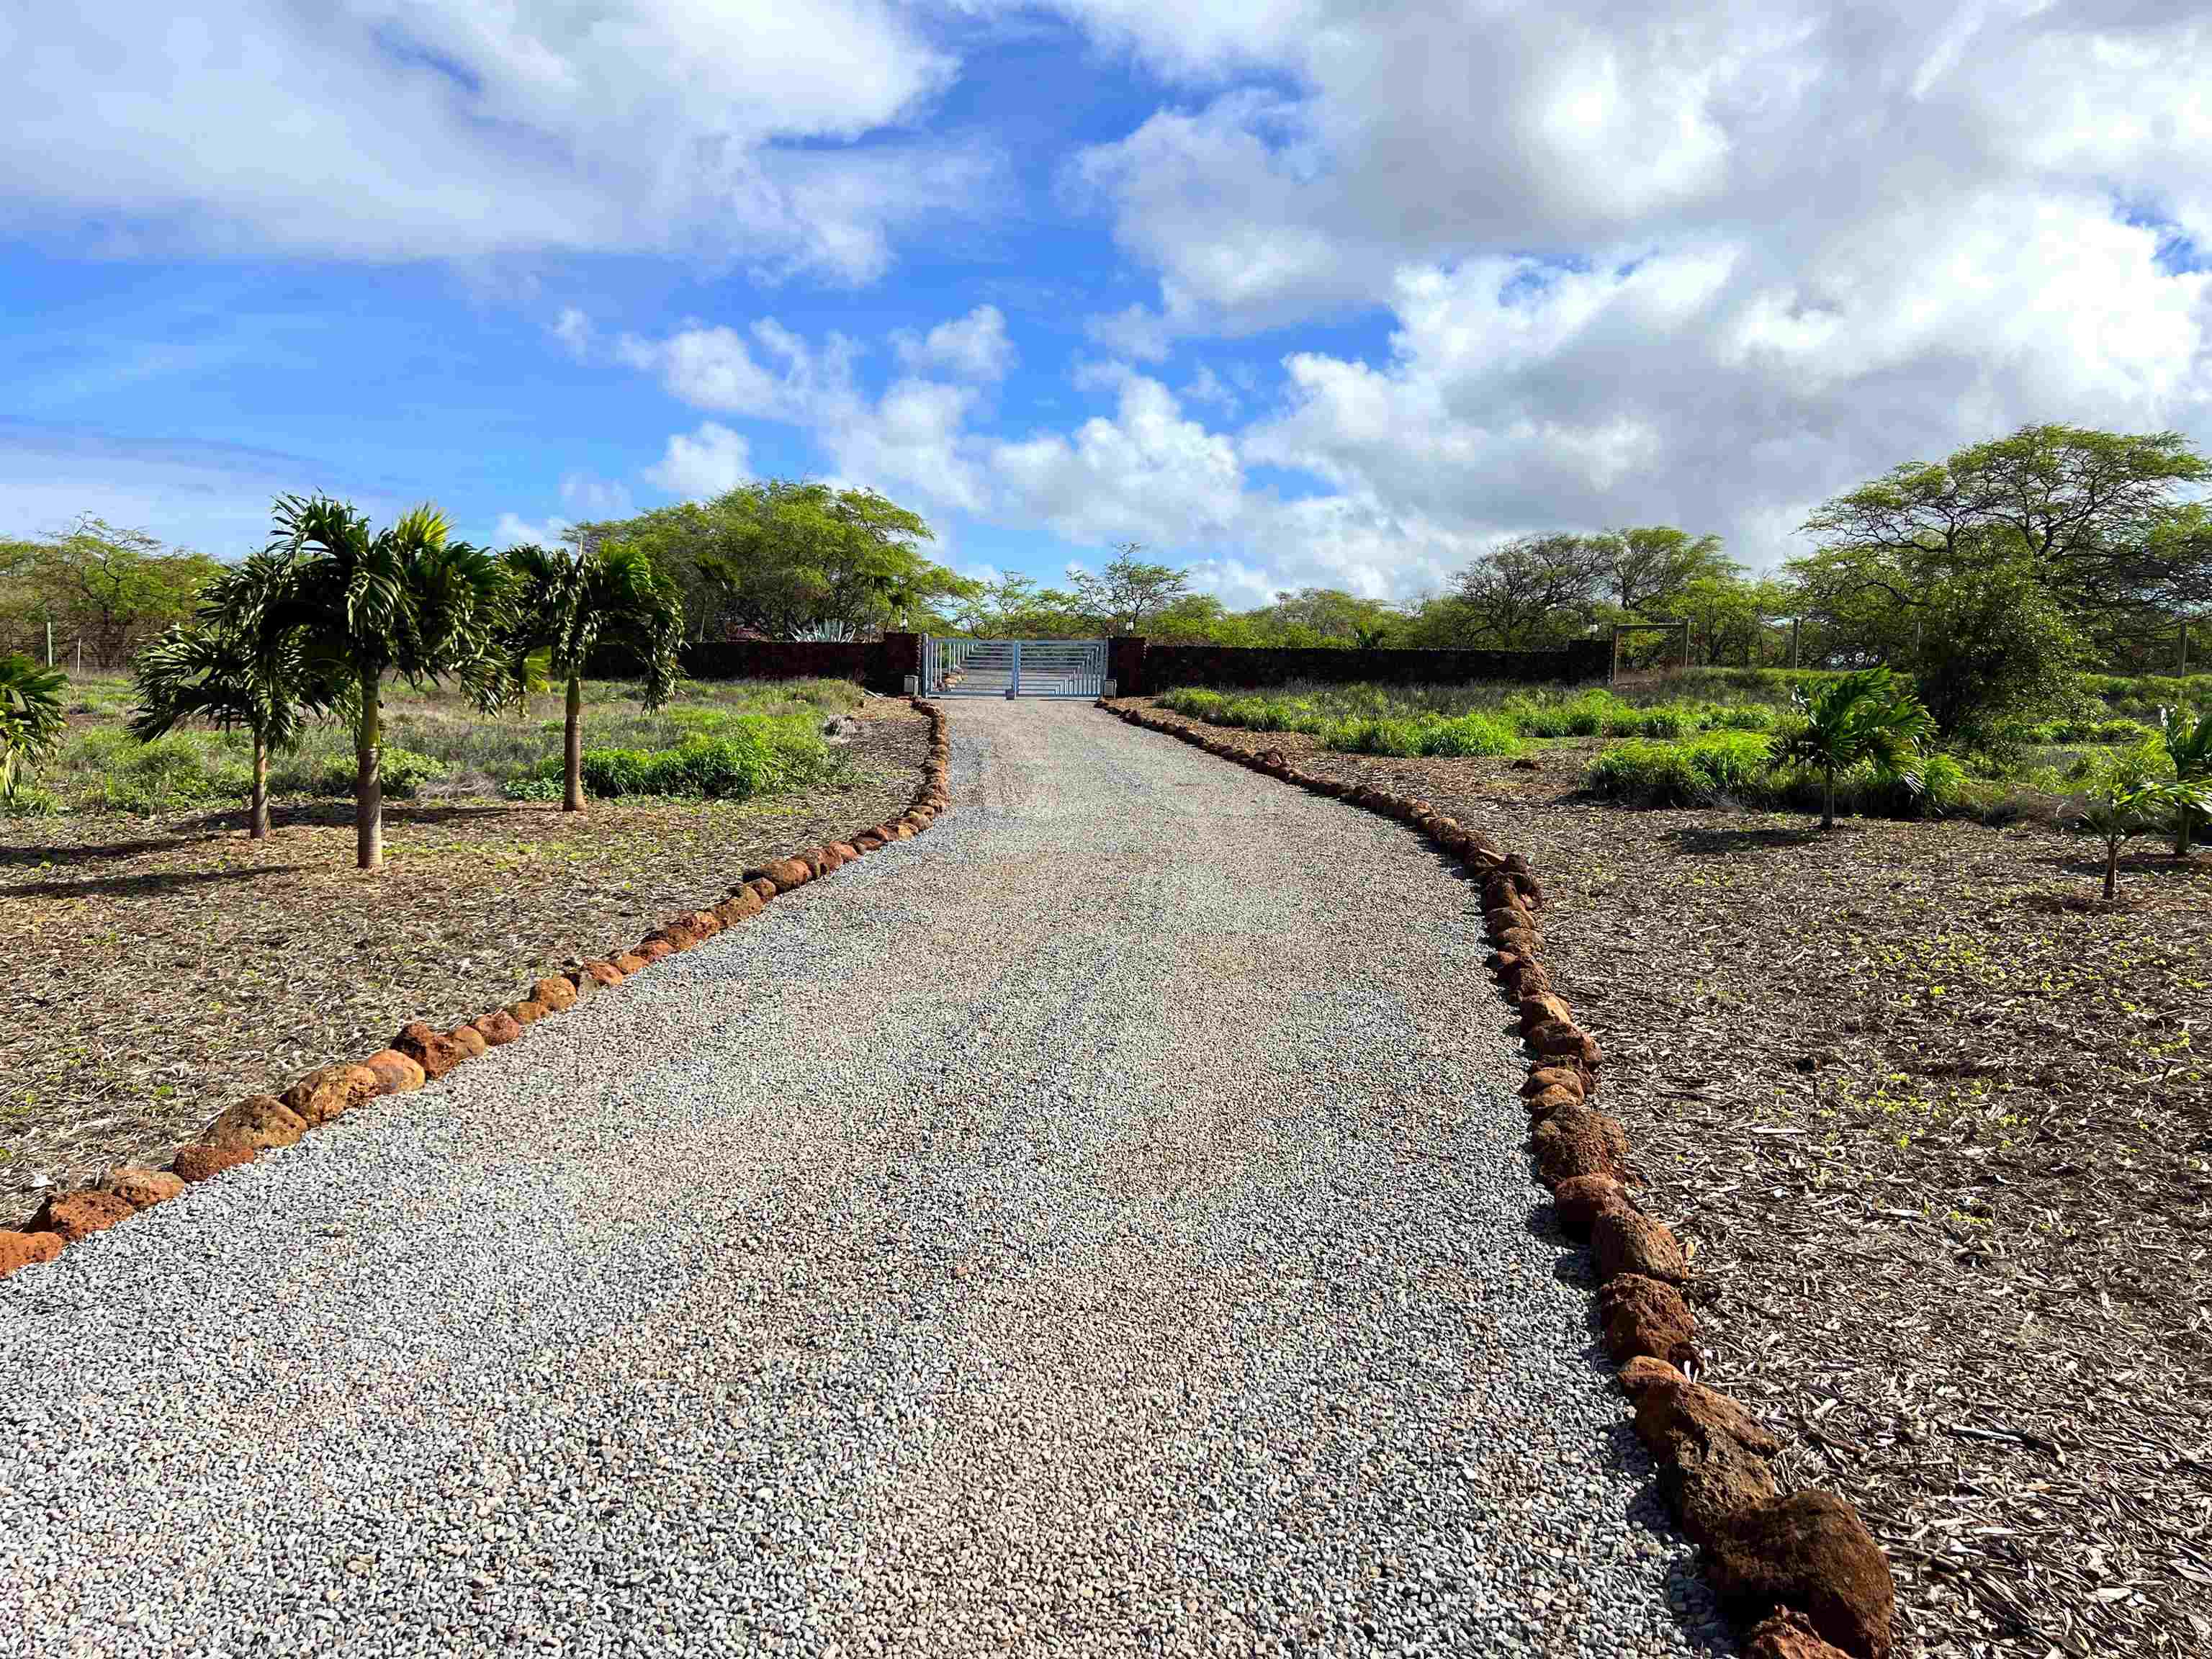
{"x":879,"y":665}
{"x":1163,"y":667}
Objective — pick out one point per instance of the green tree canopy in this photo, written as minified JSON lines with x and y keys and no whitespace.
{"x":1644,"y":571}
{"x":110,"y":586}
{"x":781,"y":557}
{"x":1130,"y":592}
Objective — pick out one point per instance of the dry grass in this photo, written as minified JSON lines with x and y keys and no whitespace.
{"x":1938,"y":1123}
{"x":167,"y":968}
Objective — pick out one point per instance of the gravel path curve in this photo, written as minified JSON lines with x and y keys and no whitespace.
{"x":1098,"y":1226}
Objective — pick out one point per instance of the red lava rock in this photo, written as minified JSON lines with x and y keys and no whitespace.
{"x":433,"y":1050}
{"x":673,"y":934}
{"x":72,"y":1216}
{"x":1541,"y":1077}
{"x":469,"y":1040}
{"x":606,"y":974}
{"x":498,"y":1027}
{"x":763,"y":890}
{"x":653,"y":948}
{"x":1541,"y":1106}
{"x":141,"y":1189}
{"x":1524,"y":942}
{"x":395,"y":1073}
{"x":1629,"y":1242}
{"x":331,"y":1091}
{"x":261,"y":1121}
{"x":1711,"y":1453}
{"x":556,"y":993}
{"x":845,"y":851}
{"x":1575,"y":1140}
{"x":1809,"y":1551}
{"x":867,"y":840}
{"x":1789,"y":1635}
{"x":1504,"y":918}
{"x":787,"y":874}
{"x":1542,"y":1008}
{"x":1643,"y":1316}
{"x":528,"y":1011}
{"x":704,"y":923}
{"x":741,"y":905}
{"x":1558,"y":1037}
{"x":1579,"y":1200}
{"x":204,"y":1163}
{"x":21,"y":1250}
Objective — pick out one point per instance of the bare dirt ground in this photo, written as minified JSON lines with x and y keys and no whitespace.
{"x":1938,"y":1124}
{"x":166,"y":968}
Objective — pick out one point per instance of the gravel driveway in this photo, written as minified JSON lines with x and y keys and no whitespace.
{"x":1098,"y":1226}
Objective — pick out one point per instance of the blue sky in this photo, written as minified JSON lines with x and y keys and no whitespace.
{"x":1290,"y":290}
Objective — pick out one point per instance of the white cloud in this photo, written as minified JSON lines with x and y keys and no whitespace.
{"x":573,"y":329}
{"x":699,"y":465}
{"x":1148,"y":474}
{"x":411,"y":129}
{"x":514,"y":531}
{"x":594,"y":497}
{"x":972,"y":348}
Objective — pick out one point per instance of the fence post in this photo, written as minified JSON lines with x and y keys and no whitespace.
{"x":50,"y":641}
{"x":1686,"y":644}
{"x":1796,"y":623}
{"x":2185,"y":647}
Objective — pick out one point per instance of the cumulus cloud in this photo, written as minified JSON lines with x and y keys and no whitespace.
{"x":1148,"y":473}
{"x":972,"y":348}
{"x":513,"y":529}
{"x":699,"y":465}
{"x":383,"y":129}
{"x":1679,"y":261}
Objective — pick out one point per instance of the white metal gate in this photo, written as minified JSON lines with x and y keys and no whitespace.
{"x":1013,"y":668}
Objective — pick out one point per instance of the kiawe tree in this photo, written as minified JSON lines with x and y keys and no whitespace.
{"x":407,"y":600}
{"x":1130,"y":592}
{"x":238,"y":665}
{"x":564,"y":604}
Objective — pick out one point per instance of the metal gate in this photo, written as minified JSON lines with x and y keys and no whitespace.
{"x":1012,"y":668}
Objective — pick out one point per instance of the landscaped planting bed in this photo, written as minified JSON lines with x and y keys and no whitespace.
{"x":170,"y":967}
{"x":1935,"y":1124}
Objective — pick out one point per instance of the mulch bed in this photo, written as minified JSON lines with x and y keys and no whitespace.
{"x":1937,"y":1123}
{"x":165,"y":969}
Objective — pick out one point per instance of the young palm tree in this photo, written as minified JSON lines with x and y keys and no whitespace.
{"x":236,"y":666}
{"x":2125,"y":800}
{"x":1865,"y":716}
{"x":2190,"y":748}
{"x":30,"y":718}
{"x":406,"y":599}
{"x":566,"y":605}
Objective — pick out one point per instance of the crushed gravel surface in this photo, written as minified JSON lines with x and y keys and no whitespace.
{"x":1100,"y":1225}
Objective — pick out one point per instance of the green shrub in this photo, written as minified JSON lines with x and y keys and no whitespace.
{"x":1647,"y":772}
{"x":1470,"y":734}
{"x":751,"y":756}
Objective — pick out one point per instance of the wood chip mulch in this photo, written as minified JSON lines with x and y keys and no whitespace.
{"x":1937,"y":1123}
{"x":164,"y":969}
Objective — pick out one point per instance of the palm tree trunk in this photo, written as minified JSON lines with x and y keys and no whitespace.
{"x":369,"y":778}
{"x":258,"y":813}
{"x":2112,"y":868}
{"x":2185,"y":831}
{"x":1828,"y":802}
{"x":572,"y":798}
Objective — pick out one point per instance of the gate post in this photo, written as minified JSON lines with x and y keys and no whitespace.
{"x":1014,"y":678}
{"x":1125,"y":663}
{"x":897,"y":656}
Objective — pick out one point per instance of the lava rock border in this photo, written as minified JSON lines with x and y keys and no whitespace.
{"x":1800,"y":1572}
{"x":420,"y":1053}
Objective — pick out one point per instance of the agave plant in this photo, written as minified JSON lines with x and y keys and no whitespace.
{"x":31,"y":718}
{"x":2189,"y":747}
{"x":1865,"y":716}
{"x":566,"y":605}
{"x":407,"y":600}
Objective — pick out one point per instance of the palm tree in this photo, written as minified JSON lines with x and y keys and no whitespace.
{"x":1865,"y":716}
{"x":565,"y":605}
{"x":2126,"y":800}
{"x":406,"y":599}
{"x":2190,"y":748}
{"x":239,"y":665}
{"x":30,"y":718}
